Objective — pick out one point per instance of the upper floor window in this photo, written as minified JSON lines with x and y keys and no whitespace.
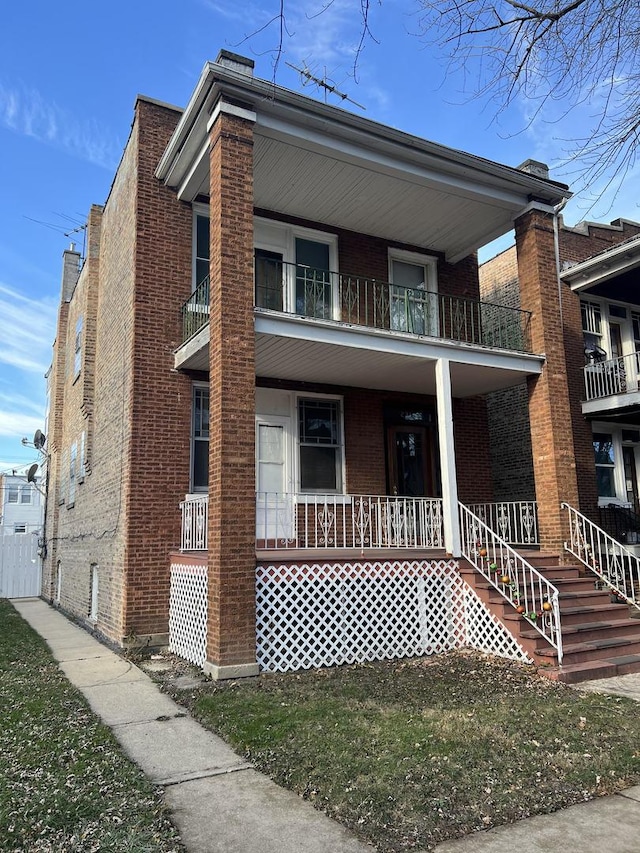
{"x":26,"y":495}
{"x":200,"y":247}
{"x":295,"y":269}
{"x":591,"y":328}
{"x":413,"y":300}
{"x":12,"y":494}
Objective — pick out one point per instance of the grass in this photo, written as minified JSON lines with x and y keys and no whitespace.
{"x":409,"y":753}
{"x":65,"y":784}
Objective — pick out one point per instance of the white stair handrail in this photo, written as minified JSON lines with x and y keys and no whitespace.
{"x":517,"y":581}
{"x":607,"y":558}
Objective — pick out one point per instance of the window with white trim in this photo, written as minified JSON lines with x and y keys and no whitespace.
{"x":413,"y":299}
{"x":320,"y":445}
{"x":200,"y":245}
{"x":26,"y":495}
{"x":295,"y":269}
{"x":13,"y":493}
{"x":591,"y":313}
{"x":200,"y":439}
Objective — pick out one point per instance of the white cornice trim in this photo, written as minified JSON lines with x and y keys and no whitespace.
{"x":225,"y":107}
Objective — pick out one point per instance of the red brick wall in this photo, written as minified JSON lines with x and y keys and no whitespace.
{"x":160,"y":398}
{"x":549,"y":409}
{"x":231,"y":619}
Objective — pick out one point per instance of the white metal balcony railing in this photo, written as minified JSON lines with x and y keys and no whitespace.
{"x":518,"y":582}
{"x":616,"y":376}
{"x":291,"y":521}
{"x":616,"y":566}
{"x":515,"y":521}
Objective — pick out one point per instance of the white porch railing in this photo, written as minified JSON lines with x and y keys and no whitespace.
{"x":290,"y":521}
{"x":515,"y":521}
{"x":530,"y":593}
{"x":347,"y":521}
{"x":195,"y":512}
{"x":616,"y":376}
{"x":614,"y":564}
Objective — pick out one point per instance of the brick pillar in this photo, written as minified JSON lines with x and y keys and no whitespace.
{"x":231,"y":637}
{"x":554,"y":462}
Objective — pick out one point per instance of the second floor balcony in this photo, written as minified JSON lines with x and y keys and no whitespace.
{"x":612,"y":385}
{"x":355,"y":300}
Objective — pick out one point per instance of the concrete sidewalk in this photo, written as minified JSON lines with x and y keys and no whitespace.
{"x":220,"y":804}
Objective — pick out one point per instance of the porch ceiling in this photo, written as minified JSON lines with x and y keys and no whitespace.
{"x":327,"y":165}
{"x":296,"y":350}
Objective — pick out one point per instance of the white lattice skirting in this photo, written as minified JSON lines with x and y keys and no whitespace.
{"x":188,"y":612}
{"x":336,"y":613}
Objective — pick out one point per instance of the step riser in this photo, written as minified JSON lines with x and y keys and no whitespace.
{"x":573,"y":599}
{"x":613,"y":613}
{"x":597,"y":654}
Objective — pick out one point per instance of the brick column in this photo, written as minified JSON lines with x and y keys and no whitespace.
{"x":554,"y":462}
{"x":231,"y":637}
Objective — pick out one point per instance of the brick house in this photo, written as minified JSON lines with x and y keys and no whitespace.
{"x":268,"y":391}
{"x":598,"y":304}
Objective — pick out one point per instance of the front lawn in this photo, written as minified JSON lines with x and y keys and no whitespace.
{"x":409,"y":753}
{"x":65,"y":784}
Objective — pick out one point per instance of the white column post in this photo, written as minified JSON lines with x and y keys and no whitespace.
{"x":451,"y":516}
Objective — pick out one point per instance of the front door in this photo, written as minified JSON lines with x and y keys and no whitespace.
{"x":274,"y":501}
{"x":410,"y":461}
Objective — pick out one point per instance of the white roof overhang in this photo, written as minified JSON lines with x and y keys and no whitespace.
{"x":322,"y":163}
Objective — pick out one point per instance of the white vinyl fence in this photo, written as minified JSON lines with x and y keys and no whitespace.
{"x":20,"y":565}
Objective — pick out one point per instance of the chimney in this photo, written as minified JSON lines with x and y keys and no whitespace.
{"x":535,"y":168}
{"x":235,"y":62}
{"x":70,"y":272}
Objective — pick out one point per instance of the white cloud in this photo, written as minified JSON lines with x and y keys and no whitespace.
{"x":27,"y":329}
{"x":24,"y":111}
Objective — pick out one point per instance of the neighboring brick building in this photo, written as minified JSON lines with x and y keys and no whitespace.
{"x":277,"y":326}
{"x":593,"y":322}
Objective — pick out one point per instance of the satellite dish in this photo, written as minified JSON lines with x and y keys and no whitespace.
{"x":31,"y":473}
{"x":39,"y":439}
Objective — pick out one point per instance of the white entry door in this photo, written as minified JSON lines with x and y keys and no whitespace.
{"x":275,"y":502}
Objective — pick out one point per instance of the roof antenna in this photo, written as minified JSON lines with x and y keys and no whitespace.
{"x":323,"y":84}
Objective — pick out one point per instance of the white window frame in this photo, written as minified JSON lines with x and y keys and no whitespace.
{"x":192,"y":439}
{"x":615,"y":431}
{"x":341,"y":468}
{"x":13,"y":494}
{"x":266,"y":234}
{"x":198,"y":209}
{"x":430,"y":264}
{"x":26,"y":491}
{"x":293,"y":476}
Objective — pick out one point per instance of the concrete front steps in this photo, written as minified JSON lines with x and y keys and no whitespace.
{"x":599,"y":638}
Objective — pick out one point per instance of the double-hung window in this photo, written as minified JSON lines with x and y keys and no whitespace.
{"x":200,"y":439}
{"x":320,"y":445}
{"x":12,"y":494}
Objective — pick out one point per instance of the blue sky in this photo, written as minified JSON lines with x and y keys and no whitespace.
{"x":69,"y":74}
